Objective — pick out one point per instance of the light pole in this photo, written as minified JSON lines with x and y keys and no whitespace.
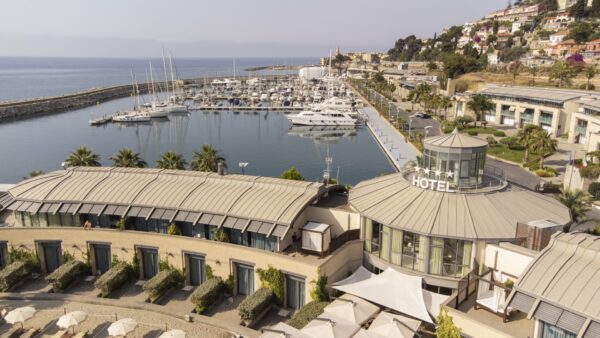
{"x":410,"y":118}
{"x":427,"y":130}
{"x":243,"y":165}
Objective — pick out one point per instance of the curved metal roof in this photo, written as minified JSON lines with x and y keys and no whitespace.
{"x":393,"y":201}
{"x":455,"y":140}
{"x":264,"y":199}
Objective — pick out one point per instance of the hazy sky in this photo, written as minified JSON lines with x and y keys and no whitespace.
{"x":134,"y":28}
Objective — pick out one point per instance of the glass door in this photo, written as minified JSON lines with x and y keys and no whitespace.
{"x":196,"y":269}
{"x":150,"y":263}
{"x":102,"y":256}
{"x":51,"y":256}
{"x":245,"y":279}
{"x":294,"y":292}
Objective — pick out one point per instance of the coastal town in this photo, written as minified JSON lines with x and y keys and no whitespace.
{"x":454,"y":193}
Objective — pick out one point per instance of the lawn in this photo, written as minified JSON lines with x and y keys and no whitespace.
{"x":480,"y":130}
{"x":502,"y":151}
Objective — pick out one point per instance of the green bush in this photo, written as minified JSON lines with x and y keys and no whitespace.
{"x":508,"y":140}
{"x":207,"y":294}
{"x":594,"y":189}
{"x":591,"y":172}
{"x":22,"y":254}
{"x":307,"y":313}
{"x":491,"y":140}
{"x":499,"y":133}
{"x":113,"y":278}
{"x":255,"y":304}
{"x":544,"y":173}
{"x":160,"y":284}
{"x":472,"y":133}
{"x":448,"y":129}
{"x":532,"y":165}
{"x":13,"y":273}
{"x":273,"y":279}
{"x":66,"y":274}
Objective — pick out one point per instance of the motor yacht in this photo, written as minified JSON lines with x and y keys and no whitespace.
{"x":323,"y":117}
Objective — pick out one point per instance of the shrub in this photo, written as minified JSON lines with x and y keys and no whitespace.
{"x":66,"y":274}
{"x":499,"y":133}
{"x":161,"y":283}
{"x":255,"y":304}
{"x":121,"y":224}
{"x":448,"y":129}
{"x":22,"y":254}
{"x":319,"y":292}
{"x":508,"y":140}
{"x":472,"y":132}
{"x":207,"y":294}
{"x":173,"y":229}
{"x":544,"y":173}
{"x":273,"y":279}
{"x":594,"y":189}
{"x":591,"y":172}
{"x":532,"y":165}
{"x":307,"y":313}
{"x":13,"y":273}
{"x":491,"y":140}
{"x":113,"y":278}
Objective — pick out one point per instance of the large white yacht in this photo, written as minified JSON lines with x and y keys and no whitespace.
{"x":337,"y":103}
{"x":323,"y":117}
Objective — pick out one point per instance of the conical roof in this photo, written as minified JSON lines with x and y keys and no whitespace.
{"x":455,"y":140}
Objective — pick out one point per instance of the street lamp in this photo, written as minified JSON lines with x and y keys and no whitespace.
{"x":410,"y":118}
{"x":427,"y":130}
{"x":243,"y":165}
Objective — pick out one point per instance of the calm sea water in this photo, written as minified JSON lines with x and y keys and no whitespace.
{"x":28,"y":77}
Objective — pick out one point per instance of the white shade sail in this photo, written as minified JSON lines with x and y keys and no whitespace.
{"x":122,"y":327}
{"x":394,"y":290}
{"x":353,"y":309}
{"x":359,"y":275}
{"x":173,"y":334}
{"x":71,"y":319}
{"x":391,"y":325}
{"x":20,"y":315}
{"x":332,"y":327}
{"x":283,"y":330}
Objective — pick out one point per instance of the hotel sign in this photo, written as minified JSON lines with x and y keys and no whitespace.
{"x":432,"y":184}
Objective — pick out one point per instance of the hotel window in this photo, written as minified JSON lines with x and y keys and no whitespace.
{"x":449,"y":257}
{"x":257,"y":240}
{"x":414,"y":248}
{"x":551,"y":331}
{"x":54,"y":220}
{"x":396,"y":253}
{"x":372,"y":234}
{"x":385,"y":243}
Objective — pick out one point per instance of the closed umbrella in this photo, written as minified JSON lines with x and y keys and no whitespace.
{"x":20,"y":315}
{"x":71,"y":319}
{"x":173,"y":334}
{"x":122,"y":327}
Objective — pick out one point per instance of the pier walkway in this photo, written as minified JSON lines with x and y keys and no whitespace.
{"x":390,"y":140}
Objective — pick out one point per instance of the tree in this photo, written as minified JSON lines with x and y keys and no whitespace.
{"x":445,"y":102}
{"x":464,"y":121}
{"x":445,"y":327}
{"x":208,"y":159}
{"x":578,"y":9}
{"x":577,"y":201}
{"x":590,"y":72}
{"x":526,"y":137}
{"x":127,"y":158}
{"x":580,"y":31}
{"x":534,"y":72}
{"x":456,"y":65}
{"x":480,"y":104}
{"x":34,"y":173}
{"x":562,"y":72}
{"x":515,"y":70}
{"x":292,"y":174}
{"x":83,"y":157}
{"x":543,"y":145}
{"x":432,"y":66}
{"x":171,"y":160}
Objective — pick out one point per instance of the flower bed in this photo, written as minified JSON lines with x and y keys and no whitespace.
{"x":158,"y":285}
{"x":113,"y":279}
{"x":307,"y":313}
{"x":255,"y":304}
{"x":13,"y":273}
{"x":207,"y":294}
{"x":66,"y":274}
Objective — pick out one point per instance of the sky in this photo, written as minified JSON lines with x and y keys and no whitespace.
{"x":222,"y":28}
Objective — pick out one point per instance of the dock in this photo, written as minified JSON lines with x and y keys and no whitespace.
{"x":248,"y":108}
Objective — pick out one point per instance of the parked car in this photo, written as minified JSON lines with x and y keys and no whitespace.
{"x":422,"y":115}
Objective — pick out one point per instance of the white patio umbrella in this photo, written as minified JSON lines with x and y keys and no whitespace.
{"x":282,"y":330}
{"x":70,"y":319}
{"x":321,"y":327}
{"x":367,"y":334}
{"x":173,"y":334}
{"x":352,"y":309}
{"x":391,"y":325}
{"x":122,"y":327}
{"x":20,"y":315}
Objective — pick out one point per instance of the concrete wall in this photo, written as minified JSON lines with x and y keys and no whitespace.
{"x":473,"y":328}
{"x":220,"y":256}
{"x":341,"y":220}
{"x":508,"y":261}
{"x":573,"y":179}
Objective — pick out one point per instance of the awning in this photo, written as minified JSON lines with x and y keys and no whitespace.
{"x":391,"y":325}
{"x":354,"y":309}
{"x":260,"y":227}
{"x":327,"y":326}
{"x":394,"y":290}
{"x":359,"y":275}
{"x":280,"y":231}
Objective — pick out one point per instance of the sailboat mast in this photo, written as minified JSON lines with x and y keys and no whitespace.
{"x":165,"y":69}
{"x":172,"y":76}
{"x":152,"y":82}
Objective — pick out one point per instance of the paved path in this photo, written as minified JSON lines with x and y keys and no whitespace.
{"x":515,"y":173}
{"x":390,"y":139}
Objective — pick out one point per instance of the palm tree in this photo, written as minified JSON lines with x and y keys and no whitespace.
{"x":562,"y":72}
{"x":208,"y":159}
{"x":34,"y":173}
{"x":527,"y":137}
{"x":127,"y":158}
{"x":543,"y":144}
{"x":445,"y":103}
{"x":480,"y":104}
{"x":577,"y":201}
{"x":590,"y":72}
{"x":83,"y":157}
{"x":171,"y":160}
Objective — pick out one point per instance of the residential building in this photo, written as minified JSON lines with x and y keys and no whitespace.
{"x":567,"y":48}
{"x":558,"y":37}
{"x":564,"y":4}
{"x":558,"y":22}
{"x":519,"y":13}
{"x":592,"y":51}
{"x":585,"y":124}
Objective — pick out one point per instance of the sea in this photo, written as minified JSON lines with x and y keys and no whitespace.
{"x":264,"y":140}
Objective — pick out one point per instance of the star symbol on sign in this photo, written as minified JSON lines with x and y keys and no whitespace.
{"x":426,"y":171}
{"x":438,"y":173}
{"x":449,"y":174}
{"x":417,"y":169}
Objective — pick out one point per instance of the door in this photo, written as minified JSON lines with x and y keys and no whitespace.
{"x":294,"y":292}
{"x":102,"y":257}
{"x":196,"y":269}
{"x":150,"y":263}
{"x":245,"y":279}
{"x":51,"y":256}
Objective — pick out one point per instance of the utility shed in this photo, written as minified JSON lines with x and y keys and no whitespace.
{"x":316,"y":237}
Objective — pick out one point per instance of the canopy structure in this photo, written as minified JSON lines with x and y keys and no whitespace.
{"x":394,"y":290}
{"x":353,"y":309}
{"x":327,"y":326}
{"x":359,"y":275}
{"x":390,"y":325}
{"x":282,"y":330}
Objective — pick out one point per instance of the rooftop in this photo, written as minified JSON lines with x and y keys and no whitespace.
{"x":455,"y":140}
{"x":552,"y":95}
{"x":393,"y":201}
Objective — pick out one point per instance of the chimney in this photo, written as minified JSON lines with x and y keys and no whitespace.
{"x":220,"y":170}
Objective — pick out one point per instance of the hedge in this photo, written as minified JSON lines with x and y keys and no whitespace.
{"x":66,"y":274}
{"x":113,"y":278}
{"x":160,"y":283}
{"x":251,"y":307}
{"x":307,"y":313}
{"x":499,"y":133}
{"x":13,"y":273}
{"x":472,"y":132}
{"x":207,"y":294}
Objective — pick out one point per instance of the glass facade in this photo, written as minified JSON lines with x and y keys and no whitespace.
{"x":431,"y":255}
{"x":466,"y":165}
{"x":551,"y":331}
